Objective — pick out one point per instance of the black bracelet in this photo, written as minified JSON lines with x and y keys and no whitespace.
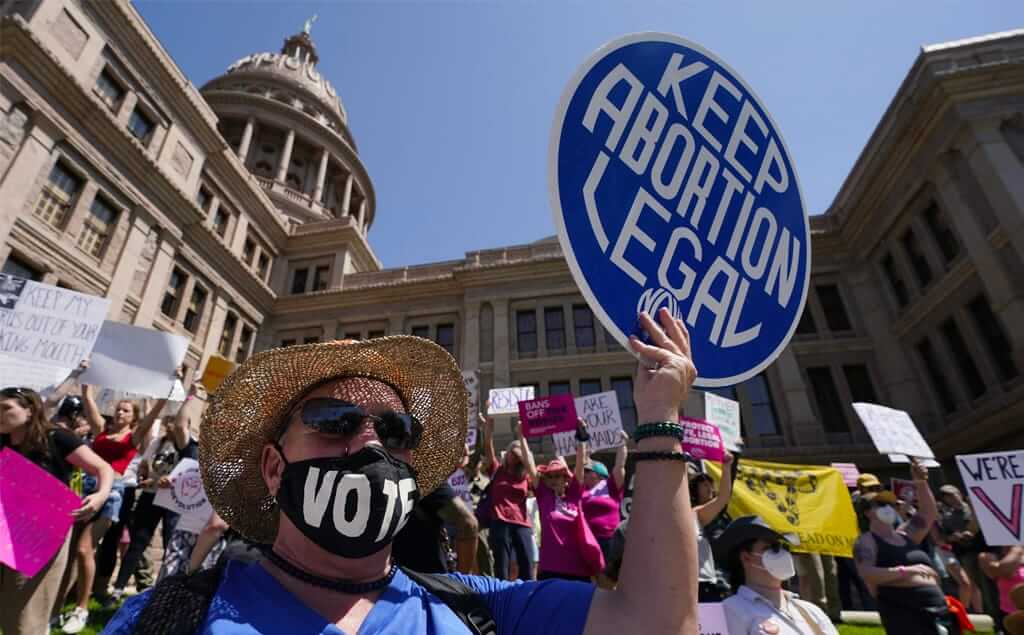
{"x":659,"y":429}
{"x":683,"y":457}
{"x":582,"y":435}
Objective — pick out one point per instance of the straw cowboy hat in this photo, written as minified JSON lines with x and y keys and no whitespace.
{"x":246,"y":412}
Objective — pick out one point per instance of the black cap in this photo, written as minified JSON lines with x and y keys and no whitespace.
{"x":743,"y":530}
{"x":71,"y":407}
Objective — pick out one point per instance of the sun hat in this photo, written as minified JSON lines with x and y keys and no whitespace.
{"x":555,"y":466}
{"x":597,"y":467}
{"x":868,"y":480}
{"x":246,"y":412}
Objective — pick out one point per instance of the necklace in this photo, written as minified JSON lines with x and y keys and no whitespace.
{"x":342,"y":586}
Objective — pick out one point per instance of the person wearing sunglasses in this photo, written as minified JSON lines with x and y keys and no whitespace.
{"x":320,"y":451}
{"x":759,"y":562}
{"x":26,"y":602}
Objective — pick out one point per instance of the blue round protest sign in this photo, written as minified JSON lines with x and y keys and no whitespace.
{"x":672,"y":186}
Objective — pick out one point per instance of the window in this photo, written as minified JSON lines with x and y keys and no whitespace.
{"x":169,"y":305}
{"x":759,"y":394}
{"x":248,"y":251}
{"x":353,"y":336}
{"x":611,"y":342}
{"x":203,"y":198}
{"x":526,"y":331}
{"x":264,"y":266}
{"x":321,"y":277}
{"x":57,"y":196}
{"x":17,"y":267}
{"x":623,"y":387}
{"x":446,"y":337}
{"x":109,"y":89}
{"x":98,"y":226}
{"x":993,"y":336}
{"x":375,"y":334}
{"x":194,"y":313}
{"x":832,"y":304}
{"x":896,"y":283}
{"x":286,"y":343}
{"x":554,"y":328}
{"x":227,"y":335}
{"x":244,"y":342}
{"x":299,"y":280}
{"x":311,"y":340}
{"x":220,"y":221}
{"x":589,"y":387}
{"x":938,"y":379}
{"x":806,"y":326}
{"x":859,"y":381}
{"x":583,"y":325}
{"x":559,"y":388}
{"x":729,"y":392}
{"x":140,"y":125}
{"x":421,"y":331}
{"x":830,"y":407}
{"x":941,"y":233}
{"x":962,"y":359}
{"x":918,"y":263}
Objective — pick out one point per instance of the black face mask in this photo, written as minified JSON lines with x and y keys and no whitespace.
{"x":351,"y":506}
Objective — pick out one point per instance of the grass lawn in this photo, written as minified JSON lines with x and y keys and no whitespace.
{"x":98,"y":618}
{"x":850,"y":629}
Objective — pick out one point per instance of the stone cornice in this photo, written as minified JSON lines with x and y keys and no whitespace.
{"x":334,"y":233}
{"x":567,"y":362}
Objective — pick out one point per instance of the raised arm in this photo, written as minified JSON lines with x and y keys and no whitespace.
{"x":619,"y":470}
{"x":146,"y":423}
{"x":66,"y":386}
{"x":652,"y":597}
{"x":927,"y":512}
{"x":92,"y":411}
{"x":711,"y":509}
{"x":581,"y":450}
{"x":528,"y":462}
{"x":191,"y":410}
{"x":488,"y":459}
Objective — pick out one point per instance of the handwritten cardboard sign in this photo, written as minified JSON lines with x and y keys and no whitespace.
{"x":995,"y":483}
{"x":46,"y":324}
{"x":505,"y":401}
{"x":702,"y":440}
{"x":724,"y":413}
{"x":547,"y":415}
{"x":604,"y":423}
{"x":136,"y":360}
{"x":217,"y":369}
{"x":186,"y":496}
{"x":460,"y":485}
{"x":850,"y":473}
{"x":34,"y":375}
{"x":712,"y":619}
{"x":35,"y":513}
{"x":893,"y":431}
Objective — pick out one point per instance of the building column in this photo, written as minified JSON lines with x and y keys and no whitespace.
{"x":330,"y":328}
{"x":396,"y":324}
{"x":321,"y":177}
{"x":286,"y":157}
{"x":1004,"y":294}
{"x":804,"y":428}
{"x":241,"y":233}
{"x":217,"y":317}
{"x":341,"y":259}
{"x":362,"y":217}
{"x":243,"y":146}
{"x":346,"y":199}
{"x":31,"y":159}
{"x":75,"y":220}
{"x":502,"y":343}
{"x":1001,"y":176}
{"x":156,"y":284}
{"x":127,"y":263}
{"x":471,"y":336}
{"x":184,"y":299}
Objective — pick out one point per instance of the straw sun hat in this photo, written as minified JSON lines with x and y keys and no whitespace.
{"x":246,"y":411}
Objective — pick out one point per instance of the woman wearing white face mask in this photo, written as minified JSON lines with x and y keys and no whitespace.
{"x":897,"y":570}
{"x":759,"y":561}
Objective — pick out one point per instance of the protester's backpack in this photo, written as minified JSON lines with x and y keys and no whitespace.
{"x":178,"y":604}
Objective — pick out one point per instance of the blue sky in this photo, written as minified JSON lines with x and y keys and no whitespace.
{"x":451,"y":103}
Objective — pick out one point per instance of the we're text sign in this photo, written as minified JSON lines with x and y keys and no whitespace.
{"x":995,"y":483}
{"x":47,"y":324}
{"x":671,"y":186}
{"x":547,"y":415}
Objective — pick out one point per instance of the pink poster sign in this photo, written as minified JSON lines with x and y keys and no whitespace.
{"x":702,"y":440}
{"x":35,"y":513}
{"x":849,"y":472}
{"x":547,"y":415}
{"x":905,"y":490}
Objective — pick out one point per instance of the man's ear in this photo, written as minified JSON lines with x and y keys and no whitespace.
{"x":271,"y":468}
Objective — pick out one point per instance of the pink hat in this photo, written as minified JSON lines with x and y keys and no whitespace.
{"x":554,"y":467}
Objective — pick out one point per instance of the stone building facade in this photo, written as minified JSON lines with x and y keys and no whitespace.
{"x":238,"y":215}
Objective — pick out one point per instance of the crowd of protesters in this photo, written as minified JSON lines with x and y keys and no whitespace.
{"x":285,"y":558}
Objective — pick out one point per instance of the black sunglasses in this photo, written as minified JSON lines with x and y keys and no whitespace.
{"x":333,"y":416}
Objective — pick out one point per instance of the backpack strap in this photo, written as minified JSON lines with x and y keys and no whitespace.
{"x":461,"y":599}
{"x":178,"y":604}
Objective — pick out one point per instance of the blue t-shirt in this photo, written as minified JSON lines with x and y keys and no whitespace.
{"x":250,"y":601}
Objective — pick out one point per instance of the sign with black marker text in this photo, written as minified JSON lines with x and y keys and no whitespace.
{"x":601,"y":413}
{"x":995,"y":483}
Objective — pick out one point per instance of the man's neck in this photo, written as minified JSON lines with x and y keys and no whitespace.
{"x":771,"y":592}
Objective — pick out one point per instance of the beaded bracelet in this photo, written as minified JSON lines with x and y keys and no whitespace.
{"x":660,"y":429}
{"x":661,"y":456}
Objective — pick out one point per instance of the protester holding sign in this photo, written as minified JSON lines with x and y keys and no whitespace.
{"x":510,"y":534}
{"x":708,"y":505}
{"x":602,"y":495}
{"x":896,"y":567}
{"x":26,"y":602}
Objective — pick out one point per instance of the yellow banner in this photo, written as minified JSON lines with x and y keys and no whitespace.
{"x":808,"y":500}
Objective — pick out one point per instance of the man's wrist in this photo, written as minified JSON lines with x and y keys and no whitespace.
{"x":659,"y":444}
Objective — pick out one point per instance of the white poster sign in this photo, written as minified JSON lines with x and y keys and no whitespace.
{"x":186,"y":496}
{"x":903,"y":458}
{"x":26,"y":374}
{"x":505,"y":401}
{"x":136,"y":360}
{"x":604,"y":423}
{"x":460,"y":485}
{"x":712,"y":619}
{"x":893,"y":431}
{"x":471,"y":379}
{"x":725,"y":414}
{"x":995,"y":483}
{"x":48,"y":325}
